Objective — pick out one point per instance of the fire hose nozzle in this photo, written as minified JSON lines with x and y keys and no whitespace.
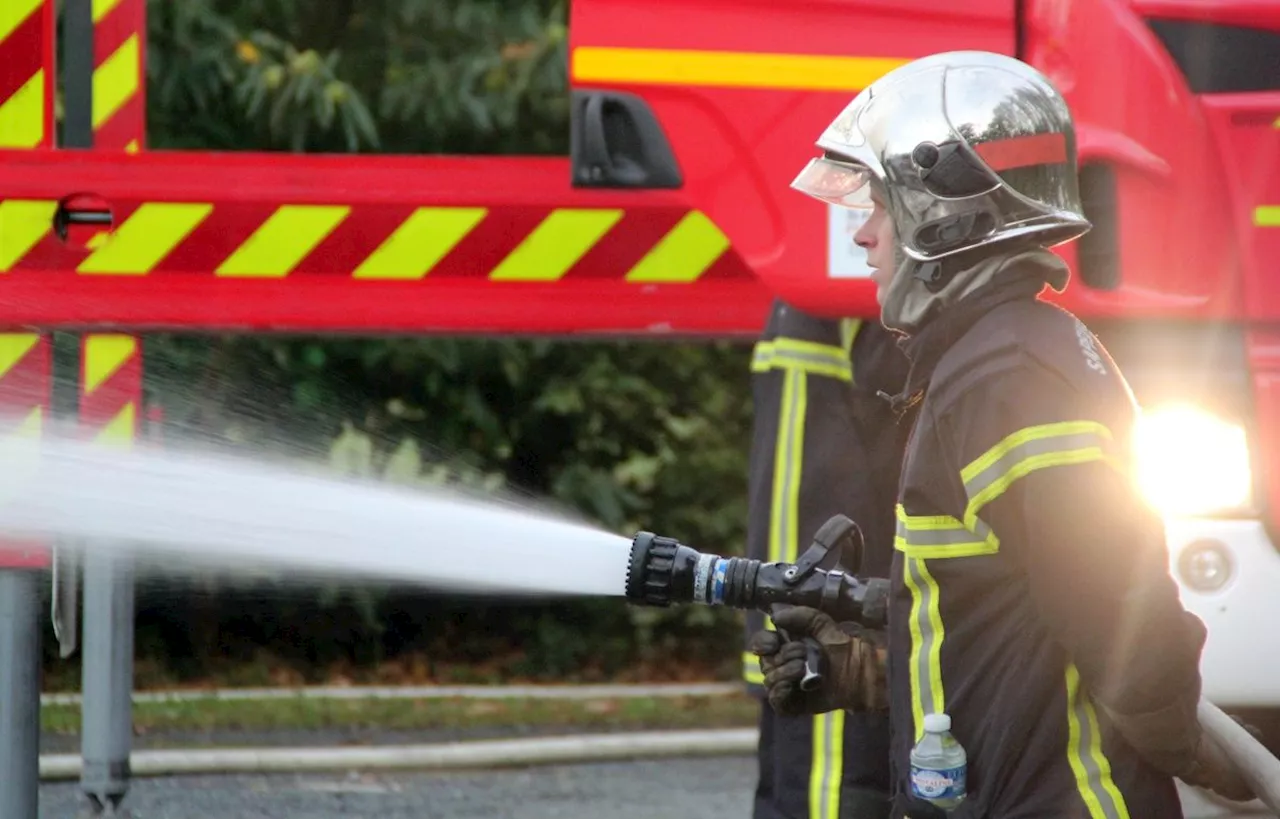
{"x":662,"y":571}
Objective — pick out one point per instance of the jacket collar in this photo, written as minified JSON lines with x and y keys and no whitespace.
{"x":926,"y":347}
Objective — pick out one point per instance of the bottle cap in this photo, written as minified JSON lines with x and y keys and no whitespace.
{"x":937,"y":723}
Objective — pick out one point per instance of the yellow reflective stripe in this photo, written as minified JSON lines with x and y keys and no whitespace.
{"x":283,"y":240}
{"x":785,"y":506}
{"x":751,"y":669}
{"x":22,"y":115}
{"x":116,"y":80}
{"x":827,"y":770}
{"x":849,"y":329}
{"x":19,"y":437}
{"x":738,"y":69}
{"x":940,"y":536}
{"x":14,"y":347}
{"x":555,"y":245}
{"x":104,"y":354}
{"x":683,"y":254}
{"x":23,"y":223}
{"x":145,"y":238}
{"x":1267,"y":215}
{"x":809,"y":356}
{"x":925,"y":626}
{"x":13,"y":13}
{"x":101,"y":8}
{"x":120,"y":430}
{"x":419,"y":243}
{"x":1084,"y":752}
{"x":1029,"y":449}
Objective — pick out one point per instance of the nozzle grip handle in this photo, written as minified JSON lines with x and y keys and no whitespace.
{"x":815,"y":663}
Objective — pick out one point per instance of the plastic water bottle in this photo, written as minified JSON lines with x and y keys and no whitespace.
{"x":938,"y":765}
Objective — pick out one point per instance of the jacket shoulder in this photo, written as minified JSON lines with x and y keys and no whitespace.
{"x":1033,"y":339}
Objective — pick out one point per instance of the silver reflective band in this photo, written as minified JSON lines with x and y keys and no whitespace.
{"x":700,"y":575}
{"x":1056,"y":444}
{"x":939,"y":536}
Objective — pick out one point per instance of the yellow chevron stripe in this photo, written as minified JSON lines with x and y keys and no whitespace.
{"x":282,"y":241}
{"x":14,"y":12}
{"x":684,"y":253}
{"x":104,"y":354}
{"x":20,"y":439}
{"x":30,"y":426}
{"x":101,"y":8}
{"x":20,"y":448}
{"x":420,"y":243}
{"x":1267,"y":216}
{"x":153,"y":231}
{"x":145,"y":238}
{"x":116,"y":80}
{"x":556,"y":245}
{"x":14,"y":347}
{"x":120,"y":430}
{"x":23,"y":223}
{"x":656,"y":66}
{"x":22,"y":115}
{"x":20,"y":451}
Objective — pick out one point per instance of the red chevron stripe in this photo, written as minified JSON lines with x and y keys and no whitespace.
{"x":26,"y":384}
{"x":124,"y":386}
{"x":21,"y":54}
{"x":130,"y":122}
{"x":122,"y":127}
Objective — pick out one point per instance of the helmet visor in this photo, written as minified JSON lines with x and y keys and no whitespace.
{"x":847,"y":184}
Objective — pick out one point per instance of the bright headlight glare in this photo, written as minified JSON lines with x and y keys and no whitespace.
{"x":1190,"y":462}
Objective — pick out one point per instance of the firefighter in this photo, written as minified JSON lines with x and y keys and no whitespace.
{"x":1031,"y":598}
{"x":823,"y":443}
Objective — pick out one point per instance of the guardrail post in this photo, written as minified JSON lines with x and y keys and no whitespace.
{"x":24,"y":397}
{"x":27,"y":94}
{"x":110,"y":408}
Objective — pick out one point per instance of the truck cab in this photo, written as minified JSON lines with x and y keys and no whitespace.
{"x":1177,"y":105}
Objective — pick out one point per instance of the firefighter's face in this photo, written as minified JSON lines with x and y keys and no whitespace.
{"x":877,"y":238}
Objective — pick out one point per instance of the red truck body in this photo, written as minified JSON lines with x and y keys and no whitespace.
{"x":673,"y":216}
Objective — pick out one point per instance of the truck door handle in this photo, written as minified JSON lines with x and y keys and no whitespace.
{"x":617,"y":142}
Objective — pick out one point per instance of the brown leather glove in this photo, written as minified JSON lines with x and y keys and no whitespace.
{"x":1213,"y":770}
{"x":855,"y":675}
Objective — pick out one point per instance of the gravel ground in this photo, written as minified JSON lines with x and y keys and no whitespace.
{"x":706,"y":788}
{"x":703,"y":788}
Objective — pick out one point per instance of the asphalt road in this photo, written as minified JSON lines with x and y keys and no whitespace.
{"x":704,"y":788}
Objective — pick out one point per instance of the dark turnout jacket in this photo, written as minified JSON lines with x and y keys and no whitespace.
{"x":1031,"y":593}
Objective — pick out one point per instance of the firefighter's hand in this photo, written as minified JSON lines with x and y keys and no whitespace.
{"x":1213,"y":770}
{"x":854,"y":677}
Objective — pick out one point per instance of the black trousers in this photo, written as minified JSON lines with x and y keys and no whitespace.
{"x":829,"y":766}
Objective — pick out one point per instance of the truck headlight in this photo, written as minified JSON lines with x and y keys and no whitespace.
{"x":1190,"y":462}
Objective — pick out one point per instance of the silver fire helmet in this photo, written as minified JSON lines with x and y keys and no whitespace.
{"x":969,"y":149}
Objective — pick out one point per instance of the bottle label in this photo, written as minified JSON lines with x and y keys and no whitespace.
{"x":937,"y":784}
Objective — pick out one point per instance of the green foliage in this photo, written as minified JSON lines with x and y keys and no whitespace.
{"x":402,"y":76}
{"x":627,"y":435}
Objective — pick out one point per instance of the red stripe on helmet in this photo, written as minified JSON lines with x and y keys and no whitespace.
{"x":1021,"y":152}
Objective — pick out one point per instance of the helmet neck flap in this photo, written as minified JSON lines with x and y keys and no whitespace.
{"x":919,"y":291}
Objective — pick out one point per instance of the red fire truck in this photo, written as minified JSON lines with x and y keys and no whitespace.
{"x":672,"y":217}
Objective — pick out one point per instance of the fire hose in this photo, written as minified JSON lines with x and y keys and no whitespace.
{"x":662,"y":571}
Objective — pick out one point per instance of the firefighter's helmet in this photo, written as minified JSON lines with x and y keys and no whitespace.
{"x":972,"y":150}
